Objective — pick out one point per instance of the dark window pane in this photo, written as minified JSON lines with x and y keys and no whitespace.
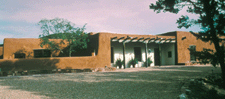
{"x":42,"y":53}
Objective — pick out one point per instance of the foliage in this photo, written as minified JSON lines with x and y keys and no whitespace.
{"x":119,"y":63}
{"x":206,"y":56}
{"x":149,"y":62}
{"x":211,"y":19}
{"x":133,"y":62}
{"x":215,"y":79}
{"x":66,"y":31}
{"x":201,"y":89}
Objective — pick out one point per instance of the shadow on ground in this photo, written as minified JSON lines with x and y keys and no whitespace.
{"x":157,"y":83}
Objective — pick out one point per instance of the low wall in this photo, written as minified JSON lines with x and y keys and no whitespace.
{"x":48,"y":63}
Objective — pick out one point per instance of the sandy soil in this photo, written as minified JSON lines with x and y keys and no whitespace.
{"x":139,"y":83}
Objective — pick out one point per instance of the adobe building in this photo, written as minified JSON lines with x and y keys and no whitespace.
{"x":104,"y":49}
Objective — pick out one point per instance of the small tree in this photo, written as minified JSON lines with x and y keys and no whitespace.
{"x":62,"y":29}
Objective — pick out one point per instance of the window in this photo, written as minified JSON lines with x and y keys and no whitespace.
{"x":19,"y":55}
{"x":42,"y":53}
{"x":192,"y":49}
{"x":169,"y":54}
{"x":137,"y":53}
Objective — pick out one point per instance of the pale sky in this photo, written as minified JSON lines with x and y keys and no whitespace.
{"x":19,"y":18}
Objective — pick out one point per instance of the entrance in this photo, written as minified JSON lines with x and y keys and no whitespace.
{"x":156,"y":57}
{"x":137,"y":53}
{"x":112,"y":55}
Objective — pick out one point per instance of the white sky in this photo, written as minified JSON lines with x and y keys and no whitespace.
{"x":19,"y":18}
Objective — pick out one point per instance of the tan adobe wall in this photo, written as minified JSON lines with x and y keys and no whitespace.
{"x":183,"y":45}
{"x":24,"y":45}
{"x":48,"y":63}
{"x":100,"y":42}
{"x":12,"y":45}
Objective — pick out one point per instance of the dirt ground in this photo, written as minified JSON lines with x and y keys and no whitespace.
{"x":132,"y":83}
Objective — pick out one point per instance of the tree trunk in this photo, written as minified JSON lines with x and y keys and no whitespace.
{"x":70,"y":51}
{"x":220,"y":57}
{"x":215,"y":38}
{"x":221,"y":61}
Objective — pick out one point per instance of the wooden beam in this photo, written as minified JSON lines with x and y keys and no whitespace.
{"x":162,"y":40}
{"x":121,"y":38}
{"x":173,"y":40}
{"x":114,"y":39}
{"x":134,"y":39}
{"x":157,"y":40}
{"x":140,"y":39}
{"x":146,"y":38}
{"x":168,"y":40}
{"x":127,"y":39}
{"x":151,"y":40}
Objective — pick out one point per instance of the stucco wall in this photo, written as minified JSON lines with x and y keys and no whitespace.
{"x":12,"y":45}
{"x":183,"y":45}
{"x":129,"y":48}
{"x":48,"y":63}
{"x":100,"y":42}
{"x":165,"y":48}
{"x":23,"y":45}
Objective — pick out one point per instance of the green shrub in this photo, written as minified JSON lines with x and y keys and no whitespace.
{"x":149,"y":62}
{"x":133,"y":62}
{"x":119,"y":63}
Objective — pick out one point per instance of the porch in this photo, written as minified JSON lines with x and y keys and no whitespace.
{"x":161,"y":51}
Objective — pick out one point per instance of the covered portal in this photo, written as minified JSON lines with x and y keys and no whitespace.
{"x":161,"y":50}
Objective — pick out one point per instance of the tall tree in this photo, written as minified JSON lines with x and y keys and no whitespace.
{"x":211,"y":19}
{"x":64,"y":30}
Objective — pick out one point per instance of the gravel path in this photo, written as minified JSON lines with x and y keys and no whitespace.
{"x":131,"y":83}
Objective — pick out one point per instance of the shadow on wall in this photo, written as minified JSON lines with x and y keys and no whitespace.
{"x":28,"y":64}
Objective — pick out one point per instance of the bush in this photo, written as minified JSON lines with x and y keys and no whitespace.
{"x":133,"y":62}
{"x":215,"y":79}
{"x":119,"y":63}
{"x":4,"y":74}
{"x":149,"y":62}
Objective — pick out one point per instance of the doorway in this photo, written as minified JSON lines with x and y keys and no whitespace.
{"x":137,"y":53}
{"x":156,"y":57}
{"x":112,"y":55}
